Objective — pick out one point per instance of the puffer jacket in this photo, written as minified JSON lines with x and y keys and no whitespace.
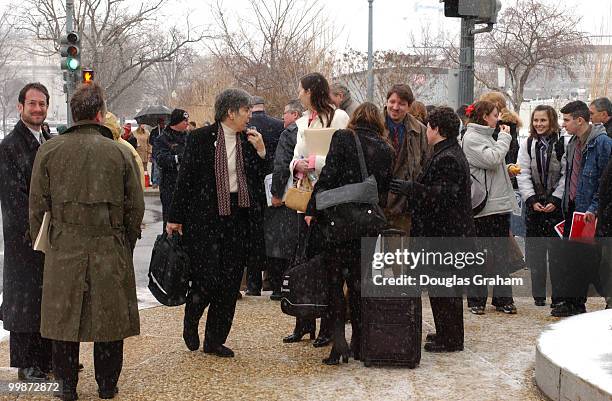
{"x":484,"y":154}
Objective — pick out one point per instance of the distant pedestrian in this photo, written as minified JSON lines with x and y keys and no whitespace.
{"x":89,"y":289}
{"x":129,"y":136}
{"x":144,"y":148}
{"x":154,"y":134}
{"x":168,"y":152}
{"x":23,"y":267}
{"x":112,"y":122}
{"x":342,"y":99}
{"x":221,"y":168}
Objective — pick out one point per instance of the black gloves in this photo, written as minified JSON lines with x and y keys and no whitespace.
{"x":400,"y":187}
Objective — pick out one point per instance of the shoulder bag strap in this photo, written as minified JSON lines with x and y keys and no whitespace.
{"x":362,"y":164}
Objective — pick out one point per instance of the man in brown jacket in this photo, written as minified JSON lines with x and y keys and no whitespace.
{"x":90,"y":185}
{"x":409,"y":139}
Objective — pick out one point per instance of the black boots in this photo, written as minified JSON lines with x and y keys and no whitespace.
{"x":302,"y":327}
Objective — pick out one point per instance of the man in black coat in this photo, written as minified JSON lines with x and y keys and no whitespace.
{"x":168,"y":152}
{"x":23,"y":267}
{"x":601,"y":113}
{"x":215,"y":195}
{"x":281,"y":223}
{"x":440,"y":204}
{"x":155,"y":133}
{"x":270,"y":129}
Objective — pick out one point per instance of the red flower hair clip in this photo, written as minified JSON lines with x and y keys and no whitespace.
{"x":469,"y":110}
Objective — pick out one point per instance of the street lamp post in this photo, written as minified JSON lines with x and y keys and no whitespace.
{"x":370,"y":94}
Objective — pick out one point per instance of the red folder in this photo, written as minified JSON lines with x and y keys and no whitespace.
{"x":580,"y":229}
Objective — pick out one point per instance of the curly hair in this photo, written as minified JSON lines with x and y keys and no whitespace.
{"x":446,"y":120}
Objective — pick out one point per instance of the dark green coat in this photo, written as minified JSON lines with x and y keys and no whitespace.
{"x":91,"y":185}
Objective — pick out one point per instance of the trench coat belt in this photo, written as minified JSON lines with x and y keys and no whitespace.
{"x":89,"y":231}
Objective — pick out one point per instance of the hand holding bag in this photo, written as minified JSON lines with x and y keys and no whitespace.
{"x":169,"y":271}
{"x":297,"y":197}
{"x":351,"y":211}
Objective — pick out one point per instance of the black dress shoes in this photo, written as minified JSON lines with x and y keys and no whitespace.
{"x":31,"y":374}
{"x":431,"y":337}
{"x":276,"y":296}
{"x":251,"y":293}
{"x":435,"y":347}
{"x":219,"y":350}
{"x":191,"y":337}
{"x":321,"y":341}
{"x":108,"y":393}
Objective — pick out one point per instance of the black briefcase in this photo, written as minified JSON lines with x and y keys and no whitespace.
{"x":304,"y":288}
{"x":169,"y":271}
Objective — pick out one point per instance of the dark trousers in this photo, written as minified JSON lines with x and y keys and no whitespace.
{"x":218,"y":289}
{"x":344,"y":264}
{"x":539,"y":251}
{"x":108,"y":361}
{"x":494,"y":232}
{"x":254,"y":280}
{"x":29,"y":350}
{"x":448,"y":319}
{"x":276,"y":269}
{"x":166,"y":192}
{"x":577,"y":267}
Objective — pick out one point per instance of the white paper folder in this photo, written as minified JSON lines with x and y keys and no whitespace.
{"x":318,"y":140}
{"x":42,"y":239}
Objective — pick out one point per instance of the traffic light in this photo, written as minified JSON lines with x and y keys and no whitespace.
{"x":88,"y":75}
{"x":70,"y":51}
{"x":485,"y":11}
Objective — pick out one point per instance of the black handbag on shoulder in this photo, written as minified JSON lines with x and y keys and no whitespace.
{"x":169,"y":271}
{"x":304,"y":288}
{"x":351,"y":211}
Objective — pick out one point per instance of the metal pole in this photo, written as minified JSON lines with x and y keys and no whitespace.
{"x":466,"y":62}
{"x":71,"y":75}
{"x":370,"y":95}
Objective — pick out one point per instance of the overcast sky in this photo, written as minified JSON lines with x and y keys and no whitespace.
{"x":395,"y":19}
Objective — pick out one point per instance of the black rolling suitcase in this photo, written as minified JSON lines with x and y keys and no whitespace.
{"x":392,"y":327}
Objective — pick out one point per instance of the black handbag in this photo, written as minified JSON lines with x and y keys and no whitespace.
{"x":169,"y":271}
{"x":304,"y":288}
{"x":351,"y":211}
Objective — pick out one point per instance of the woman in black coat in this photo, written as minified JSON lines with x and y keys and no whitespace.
{"x":218,"y":188}
{"x":342,"y":168}
{"x":440,"y":204}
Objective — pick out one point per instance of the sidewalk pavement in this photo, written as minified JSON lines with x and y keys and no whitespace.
{"x":497,"y":364}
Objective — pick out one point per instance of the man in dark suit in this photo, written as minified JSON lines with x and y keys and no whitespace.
{"x":439,"y":201}
{"x":23,"y":267}
{"x":270,"y":129}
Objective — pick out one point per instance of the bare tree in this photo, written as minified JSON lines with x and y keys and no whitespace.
{"x":280,"y":42}
{"x":422,"y":69}
{"x":531,"y":36}
{"x":9,"y":82}
{"x":120,"y":40}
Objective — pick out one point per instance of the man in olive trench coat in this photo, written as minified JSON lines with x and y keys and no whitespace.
{"x":91,"y":186}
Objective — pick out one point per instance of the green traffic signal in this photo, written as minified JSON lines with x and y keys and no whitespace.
{"x":72,"y":64}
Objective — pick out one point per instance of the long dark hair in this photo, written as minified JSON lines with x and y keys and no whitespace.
{"x":553,"y":120}
{"x":319,"y":95}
